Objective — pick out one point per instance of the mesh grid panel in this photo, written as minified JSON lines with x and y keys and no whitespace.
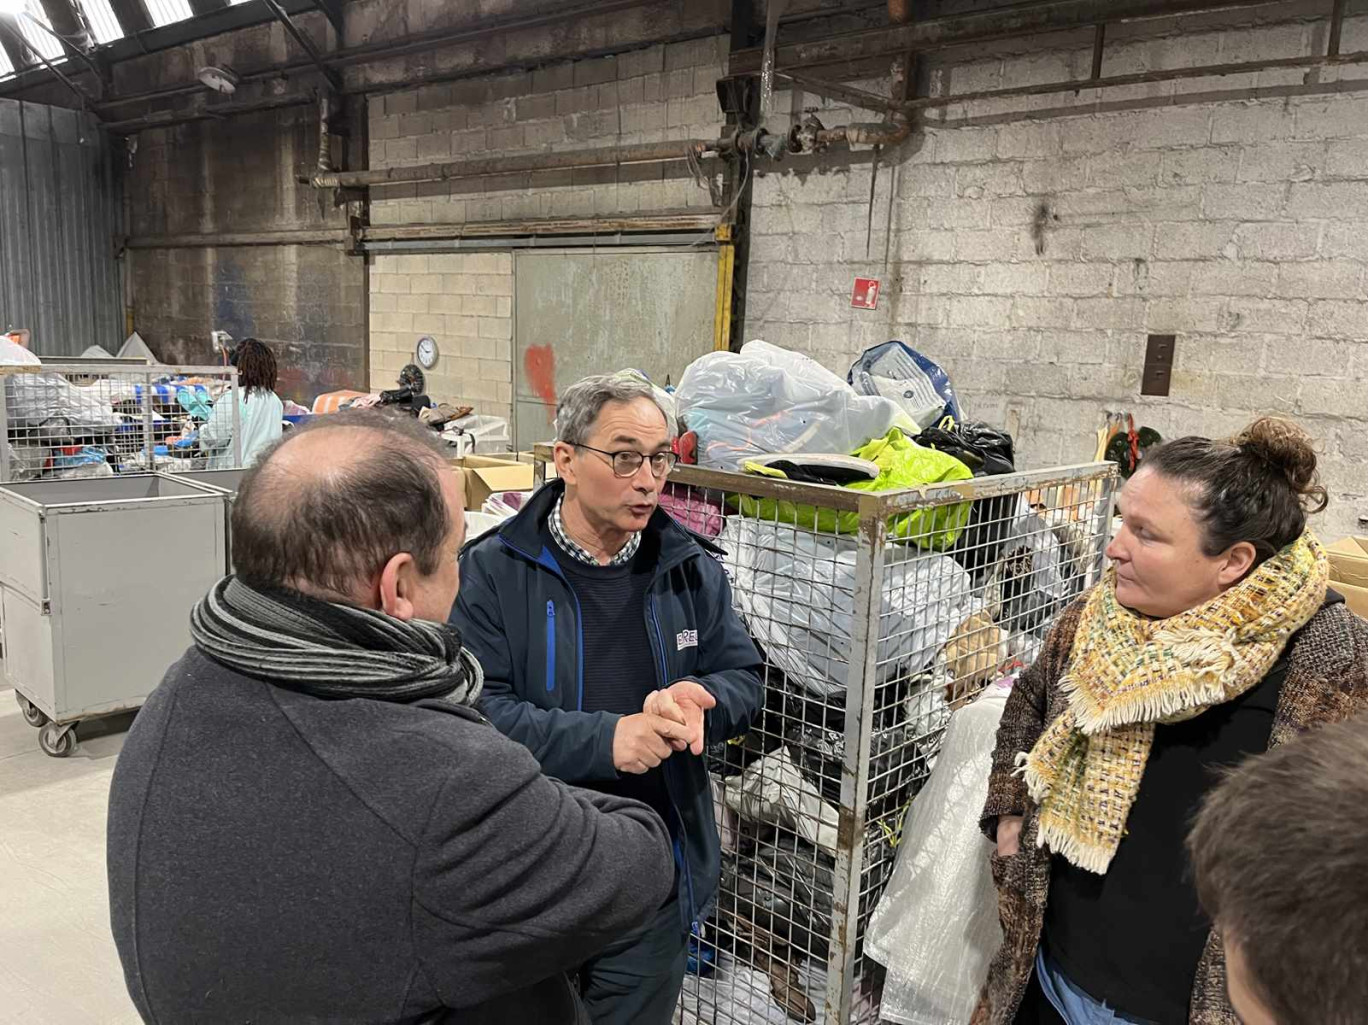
{"x":877,"y":617}
{"x":76,"y":419}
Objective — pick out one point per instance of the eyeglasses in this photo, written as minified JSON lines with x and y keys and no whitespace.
{"x":627,"y":462}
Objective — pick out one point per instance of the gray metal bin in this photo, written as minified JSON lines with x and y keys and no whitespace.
{"x":224,"y":482}
{"x":97,"y":579}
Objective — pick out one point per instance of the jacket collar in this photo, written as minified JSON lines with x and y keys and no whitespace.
{"x":522,"y":533}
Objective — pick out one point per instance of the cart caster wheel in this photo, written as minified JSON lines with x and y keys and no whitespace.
{"x":57,"y":741}
{"x":33,"y":715}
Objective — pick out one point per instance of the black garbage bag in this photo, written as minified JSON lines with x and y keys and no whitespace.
{"x":896,"y":766}
{"x":986,"y":450}
{"x":784,"y":886}
{"x":766,"y":730}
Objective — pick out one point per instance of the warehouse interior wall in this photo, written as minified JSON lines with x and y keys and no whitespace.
{"x":59,"y":211}
{"x":235,"y":175}
{"x":465,"y":300}
{"x":1031,"y":245}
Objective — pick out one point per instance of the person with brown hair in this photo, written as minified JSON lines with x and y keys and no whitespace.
{"x":1280,"y":851}
{"x":260,"y":411}
{"x":1212,"y":637}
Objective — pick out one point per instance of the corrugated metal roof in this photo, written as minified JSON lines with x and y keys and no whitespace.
{"x":164,"y":12}
{"x":103,"y":23}
{"x":43,"y":41}
{"x":58,"y":218}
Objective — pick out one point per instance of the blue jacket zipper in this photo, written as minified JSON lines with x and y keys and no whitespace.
{"x":550,"y":646}
{"x":579,"y":614}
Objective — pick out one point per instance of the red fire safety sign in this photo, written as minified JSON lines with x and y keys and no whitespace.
{"x":866,"y":294}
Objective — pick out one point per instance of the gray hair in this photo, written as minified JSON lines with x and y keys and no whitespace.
{"x":582,"y":402}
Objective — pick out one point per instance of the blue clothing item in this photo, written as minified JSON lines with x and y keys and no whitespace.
{"x":1073,"y":1005}
{"x":259,"y":424}
{"x":519,"y":615}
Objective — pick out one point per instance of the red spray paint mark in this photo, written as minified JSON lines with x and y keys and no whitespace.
{"x":539,"y":364}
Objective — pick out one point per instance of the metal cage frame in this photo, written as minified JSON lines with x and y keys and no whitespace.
{"x":1082,"y":496}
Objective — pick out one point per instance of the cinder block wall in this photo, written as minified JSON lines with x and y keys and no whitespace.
{"x":465,"y":302}
{"x":1232,"y":212}
{"x":644,"y":95}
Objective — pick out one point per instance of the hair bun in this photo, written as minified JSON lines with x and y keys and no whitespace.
{"x":1287,"y":448}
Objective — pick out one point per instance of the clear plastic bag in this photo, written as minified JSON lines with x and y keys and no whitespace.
{"x":936,"y":927}
{"x":765,"y":400}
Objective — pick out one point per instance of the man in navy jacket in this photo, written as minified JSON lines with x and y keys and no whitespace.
{"x":611,"y":650}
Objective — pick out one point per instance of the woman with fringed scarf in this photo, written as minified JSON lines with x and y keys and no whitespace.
{"x":1212,"y":637}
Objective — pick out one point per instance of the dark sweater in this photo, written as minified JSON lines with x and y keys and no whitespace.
{"x":1146,"y":968}
{"x":619,"y":664}
{"x":274,"y":857}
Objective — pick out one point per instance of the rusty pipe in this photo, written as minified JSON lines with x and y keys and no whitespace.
{"x":325,"y":163}
{"x":484,"y":167}
{"x":864,"y":133}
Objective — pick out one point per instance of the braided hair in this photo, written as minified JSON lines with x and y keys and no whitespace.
{"x":256,"y":365}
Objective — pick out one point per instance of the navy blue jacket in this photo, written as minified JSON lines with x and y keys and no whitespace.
{"x":519,"y":615}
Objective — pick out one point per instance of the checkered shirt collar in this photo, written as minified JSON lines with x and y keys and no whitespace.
{"x":558,"y":533}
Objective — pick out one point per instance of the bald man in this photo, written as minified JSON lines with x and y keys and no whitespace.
{"x":310,"y":822}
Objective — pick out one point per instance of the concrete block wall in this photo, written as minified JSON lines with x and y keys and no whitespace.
{"x":1034,"y":244}
{"x":649,"y":95}
{"x":465,"y":302}
{"x":645,"y":95}
{"x":240,"y":175}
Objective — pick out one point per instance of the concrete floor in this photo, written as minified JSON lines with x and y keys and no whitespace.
{"x":58,"y":965}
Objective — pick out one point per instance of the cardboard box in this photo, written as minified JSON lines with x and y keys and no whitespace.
{"x":530,"y":458}
{"x":1349,"y":572}
{"x":484,"y":475}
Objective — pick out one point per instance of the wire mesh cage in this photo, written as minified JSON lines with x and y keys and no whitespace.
{"x":878,"y":616}
{"x":92,"y":419}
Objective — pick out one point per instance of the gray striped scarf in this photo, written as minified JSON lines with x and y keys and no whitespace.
{"x":331,"y":650}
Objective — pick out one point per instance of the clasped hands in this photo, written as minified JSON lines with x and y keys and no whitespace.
{"x":669,"y":722}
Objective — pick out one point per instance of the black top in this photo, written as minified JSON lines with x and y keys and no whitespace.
{"x":1134,"y":936}
{"x":619,"y":662}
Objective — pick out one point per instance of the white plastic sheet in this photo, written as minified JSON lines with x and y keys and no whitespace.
{"x":41,"y":399}
{"x":765,"y":400}
{"x":936,"y":927}
{"x":797,"y":589}
{"x":482,"y":435}
{"x":774,"y":790}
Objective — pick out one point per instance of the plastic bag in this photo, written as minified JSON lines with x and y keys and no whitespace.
{"x":774,"y":792}
{"x":483,"y":435}
{"x":1034,"y":576}
{"x":899,"y":372}
{"x":936,"y":927}
{"x":783,"y":888}
{"x":893,"y":761}
{"x":766,"y":400}
{"x":902,"y":464}
{"x":796,"y":591}
{"x":985,"y":450}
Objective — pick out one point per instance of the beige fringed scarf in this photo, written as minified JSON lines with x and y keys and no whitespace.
{"x":1127,"y":673}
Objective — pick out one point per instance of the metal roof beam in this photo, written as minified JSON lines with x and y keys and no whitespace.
{"x":1001,"y":23}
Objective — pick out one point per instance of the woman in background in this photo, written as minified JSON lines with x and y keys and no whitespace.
{"x":260,"y":410}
